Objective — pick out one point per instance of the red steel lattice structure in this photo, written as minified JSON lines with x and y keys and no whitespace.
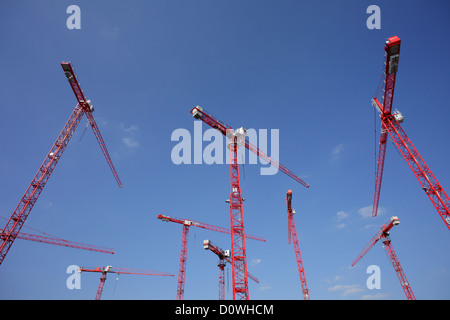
{"x":184,"y":241}
{"x":64,"y":243}
{"x":292,"y":233}
{"x":238,"y":248}
{"x":110,"y":269}
{"x":390,"y":123}
{"x":383,"y":234}
{"x":26,"y":203}
{"x":224,"y":256}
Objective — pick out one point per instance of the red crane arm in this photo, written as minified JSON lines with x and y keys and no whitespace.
{"x":392,"y":51}
{"x":383,"y":231}
{"x":110,"y":269}
{"x":200,"y":114}
{"x":65,"y":243}
{"x":88,"y":108}
{"x":426,"y":178}
{"x":204,"y":226}
{"x":380,"y":168}
{"x":26,"y":203}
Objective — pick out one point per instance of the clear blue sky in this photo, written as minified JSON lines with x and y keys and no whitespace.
{"x":307,"y":68}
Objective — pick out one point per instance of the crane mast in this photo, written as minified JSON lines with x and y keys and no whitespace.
{"x":390,"y":124}
{"x":183,"y":258}
{"x":238,"y":248}
{"x":397,"y":267}
{"x":293,"y":234}
{"x":383,"y":235}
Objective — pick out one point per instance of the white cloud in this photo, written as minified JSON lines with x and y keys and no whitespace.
{"x":130,"y":142}
{"x":131,"y":128}
{"x":347,"y":289}
{"x":338,"y":149}
{"x":130,"y":132}
{"x":255,"y":261}
{"x":264,"y":288}
{"x":336,"y":152}
{"x":337,"y":278}
{"x":375,"y":296}
{"x":366,"y":212}
{"x":341,"y":215}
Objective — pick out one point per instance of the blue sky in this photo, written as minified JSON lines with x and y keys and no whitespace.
{"x":307,"y":68}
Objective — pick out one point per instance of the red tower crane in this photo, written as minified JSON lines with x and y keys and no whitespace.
{"x":110,"y":269}
{"x":26,"y":203}
{"x":383,"y":234}
{"x":184,"y":241}
{"x":224,"y":257}
{"x":390,"y":123}
{"x":292,"y":232}
{"x":238,"y":249}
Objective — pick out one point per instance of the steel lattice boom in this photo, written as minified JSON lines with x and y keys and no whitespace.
{"x":110,"y":269}
{"x":199,"y":113}
{"x":26,"y":203}
{"x":383,"y":234}
{"x":292,"y":232}
{"x":390,"y":124}
{"x":64,"y":243}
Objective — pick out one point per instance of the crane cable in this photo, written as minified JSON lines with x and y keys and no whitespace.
{"x":87,"y":125}
{"x":115,"y":285}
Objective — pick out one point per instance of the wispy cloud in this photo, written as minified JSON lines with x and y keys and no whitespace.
{"x":264,"y":287}
{"x":366,"y":212}
{"x":376,"y":296}
{"x":336,"y":152}
{"x":255,"y":261}
{"x":347,"y":289}
{"x":130,"y":132}
{"x":131,"y":128}
{"x":341,"y":215}
{"x":130,"y":143}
